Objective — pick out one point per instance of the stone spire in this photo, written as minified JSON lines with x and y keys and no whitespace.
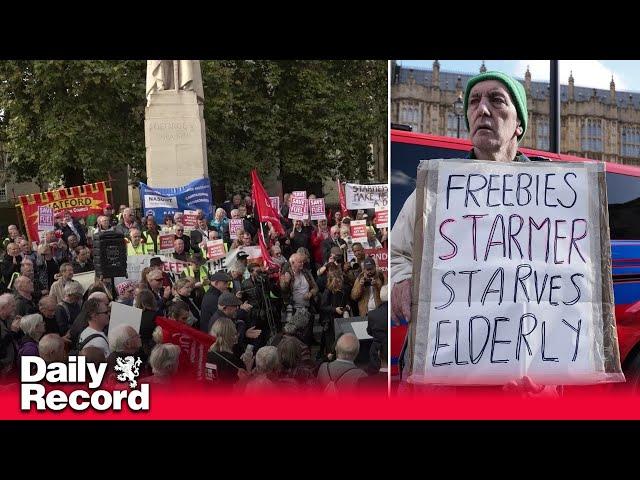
{"x":571,"y":91}
{"x":612,"y":91}
{"x":527,"y":80}
{"x":459,"y":86}
{"x":483,"y":68}
{"x":435,"y":78}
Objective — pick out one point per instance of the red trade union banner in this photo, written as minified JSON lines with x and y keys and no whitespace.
{"x":235,"y":224}
{"x":215,"y":249}
{"x":193,"y":344}
{"x":166,"y":242}
{"x":80,"y":201}
{"x":316,"y":208}
{"x":190,"y":219}
{"x":382,"y":218}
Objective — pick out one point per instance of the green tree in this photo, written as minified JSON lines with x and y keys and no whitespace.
{"x":74,"y":120}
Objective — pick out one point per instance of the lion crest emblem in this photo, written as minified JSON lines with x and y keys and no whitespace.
{"x":130,"y":368}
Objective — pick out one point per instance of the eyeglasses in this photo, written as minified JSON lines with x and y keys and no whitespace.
{"x":179,"y":230}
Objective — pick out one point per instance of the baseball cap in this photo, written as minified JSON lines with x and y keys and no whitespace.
{"x":220,"y":277}
{"x":369,"y":262}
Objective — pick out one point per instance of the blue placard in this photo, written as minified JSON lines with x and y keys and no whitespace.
{"x":167,"y":201}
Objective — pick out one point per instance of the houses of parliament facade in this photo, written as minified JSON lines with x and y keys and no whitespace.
{"x":597,"y":124}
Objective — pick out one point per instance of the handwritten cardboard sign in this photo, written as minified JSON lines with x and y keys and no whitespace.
{"x":366,"y":196}
{"x":514,"y":274}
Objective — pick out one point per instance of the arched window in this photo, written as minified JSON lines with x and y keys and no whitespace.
{"x":542,"y":133}
{"x":592,"y":135}
{"x":630,"y":142}
{"x":452,"y":126}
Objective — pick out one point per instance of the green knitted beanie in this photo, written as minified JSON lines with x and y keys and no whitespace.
{"x":515,"y":88}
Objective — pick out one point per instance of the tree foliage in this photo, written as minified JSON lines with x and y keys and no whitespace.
{"x":314,"y":118}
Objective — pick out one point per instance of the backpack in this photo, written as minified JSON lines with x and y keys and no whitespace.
{"x":332,"y":387}
{"x":75,"y":351}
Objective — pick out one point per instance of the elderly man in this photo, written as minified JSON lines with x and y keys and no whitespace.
{"x":25,"y":304}
{"x":51,"y":348}
{"x":9,"y":334}
{"x":179,"y":247}
{"x":124,"y":341}
{"x":71,"y":226}
{"x":10,"y":264}
{"x":179,"y":235}
{"x":69,"y":309}
{"x":297,"y":285}
{"x":135,"y":246}
{"x":83,"y":262}
{"x":496,"y":116}
{"x":47,"y":308}
{"x":342,"y":372}
{"x":66,"y":277}
{"x":219,"y":285}
{"x":26,"y":251}
{"x":127,"y":222}
{"x":229,"y":306}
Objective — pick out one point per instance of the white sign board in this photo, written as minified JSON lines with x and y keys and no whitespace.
{"x":85,"y":279}
{"x":511,"y":274}
{"x":316,"y":209}
{"x":366,"y":196}
{"x":122,"y":314}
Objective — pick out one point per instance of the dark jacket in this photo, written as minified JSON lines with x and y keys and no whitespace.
{"x":66,"y":314}
{"x":87,"y":267}
{"x":28,"y":348}
{"x":24,"y":306}
{"x":8,"y":268}
{"x":208,"y":308}
{"x":67,"y":232}
{"x":285,"y":288}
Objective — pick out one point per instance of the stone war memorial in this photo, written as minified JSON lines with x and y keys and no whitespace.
{"x":175,"y":137}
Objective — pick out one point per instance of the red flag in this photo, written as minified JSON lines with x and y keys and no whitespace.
{"x":343,"y":200}
{"x":262,"y":205}
{"x":268,"y":262}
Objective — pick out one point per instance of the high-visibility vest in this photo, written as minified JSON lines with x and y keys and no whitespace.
{"x":204,"y":273}
{"x":150,"y":247}
{"x":139,"y":250}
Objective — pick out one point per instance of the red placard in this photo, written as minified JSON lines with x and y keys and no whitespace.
{"x":359,"y":230}
{"x":190,"y":219}
{"x":299,"y":208}
{"x":215,"y":249}
{"x":165,"y":241}
{"x":381,"y":256}
{"x":382,"y":218}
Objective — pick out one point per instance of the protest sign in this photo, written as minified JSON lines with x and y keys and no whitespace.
{"x":193,"y":344}
{"x":79,"y":201}
{"x":316,"y":209}
{"x":122,"y":314}
{"x":366,"y":196}
{"x":190,"y":219}
{"x":275,"y":203}
{"x":168,"y":201}
{"x":358,"y":230}
{"x":299,"y":208}
{"x":85,"y":279}
{"x":165,"y":243}
{"x":215,"y":249}
{"x":512,"y":273}
{"x":381,"y":257}
{"x":235,"y":224}
{"x":299,"y":194}
{"x":382,"y":218}
{"x":45,"y":218}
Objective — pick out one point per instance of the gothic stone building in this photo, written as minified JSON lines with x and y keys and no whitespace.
{"x":598,"y":124}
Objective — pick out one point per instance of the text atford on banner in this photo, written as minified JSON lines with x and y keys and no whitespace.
{"x":79,"y":201}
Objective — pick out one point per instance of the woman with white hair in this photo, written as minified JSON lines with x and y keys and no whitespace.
{"x":33,"y":328}
{"x":164,"y":361}
{"x":265,"y":374}
{"x":220,"y":223}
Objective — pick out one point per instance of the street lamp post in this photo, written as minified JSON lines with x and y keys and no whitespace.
{"x":458,"y":107}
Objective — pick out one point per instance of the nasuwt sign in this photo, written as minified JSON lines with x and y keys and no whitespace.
{"x":514,"y":274}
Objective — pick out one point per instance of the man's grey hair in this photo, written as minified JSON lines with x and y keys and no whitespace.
{"x":21,"y":282}
{"x":121,"y":335}
{"x":347,"y":347}
{"x":164,"y":359}
{"x":51,"y":348}
{"x":73,"y":288}
{"x":267,"y":360}
{"x":289,"y":328}
{"x":29,"y":323}
{"x":301,"y":318}
{"x":100,"y":296}
{"x":6,"y":299}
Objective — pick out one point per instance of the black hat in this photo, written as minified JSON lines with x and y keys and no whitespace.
{"x":369,"y":262}
{"x":155,"y":262}
{"x":220,"y":277}
{"x":242,"y":254}
{"x":228,"y":299}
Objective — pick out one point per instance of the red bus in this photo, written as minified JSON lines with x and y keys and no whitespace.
{"x":623,"y":191}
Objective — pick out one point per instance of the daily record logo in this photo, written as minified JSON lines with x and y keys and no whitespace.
{"x":34,"y":370}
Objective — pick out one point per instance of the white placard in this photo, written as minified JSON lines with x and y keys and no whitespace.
{"x":85,"y":279}
{"x":122,"y":314}
{"x":366,"y":196}
{"x":510,"y":282}
{"x":360,"y":330}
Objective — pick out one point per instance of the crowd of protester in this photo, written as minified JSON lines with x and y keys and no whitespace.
{"x":262,"y":318}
